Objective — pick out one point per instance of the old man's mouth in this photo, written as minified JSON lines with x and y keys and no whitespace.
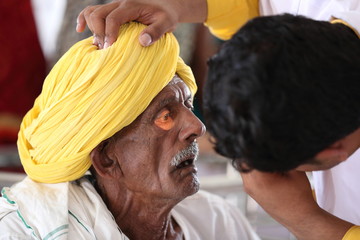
{"x":186,"y":163}
{"x":185,"y":157}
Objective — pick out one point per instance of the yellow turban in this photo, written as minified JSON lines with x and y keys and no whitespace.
{"x":90,"y":95}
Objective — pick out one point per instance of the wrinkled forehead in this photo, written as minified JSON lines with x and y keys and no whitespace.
{"x":175,"y":90}
{"x":175,"y":80}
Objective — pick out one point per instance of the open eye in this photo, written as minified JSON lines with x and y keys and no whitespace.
{"x":164,"y":120}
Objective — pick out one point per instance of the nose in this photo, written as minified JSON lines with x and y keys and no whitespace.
{"x":192,"y":127}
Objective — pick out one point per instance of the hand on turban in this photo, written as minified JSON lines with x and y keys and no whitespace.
{"x":90,"y":95}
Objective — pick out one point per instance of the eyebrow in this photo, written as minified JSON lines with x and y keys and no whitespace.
{"x":165,"y":102}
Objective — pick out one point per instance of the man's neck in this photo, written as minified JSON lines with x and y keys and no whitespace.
{"x":140,"y":216}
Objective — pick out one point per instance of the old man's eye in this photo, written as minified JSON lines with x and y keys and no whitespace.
{"x":166,"y":117}
{"x":164,"y":120}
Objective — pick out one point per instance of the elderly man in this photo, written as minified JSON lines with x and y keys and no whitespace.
{"x":123,"y":113}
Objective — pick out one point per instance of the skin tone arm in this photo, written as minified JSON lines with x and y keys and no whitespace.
{"x":288,"y":199}
{"x":161,"y":15}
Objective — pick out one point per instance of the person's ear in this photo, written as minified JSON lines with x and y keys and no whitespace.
{"x":336,"y":151}
{"x":104,"y":164}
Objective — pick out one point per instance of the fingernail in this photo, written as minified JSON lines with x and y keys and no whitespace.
{"x":145,"y":39}
{"x":95,"y":40}
{"x":77,"y":24}
{"x":106,"y":45}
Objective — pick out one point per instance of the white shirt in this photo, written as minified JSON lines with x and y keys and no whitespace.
{"x":32,"y":210}
{"x":337,"y":191}
{"x":347,"y":10}
{"x":205,"y":216}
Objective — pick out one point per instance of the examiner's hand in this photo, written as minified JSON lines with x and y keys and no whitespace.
{"x":273,"y":191}
{"x":161,"y":15}
{"x":288,"y":198}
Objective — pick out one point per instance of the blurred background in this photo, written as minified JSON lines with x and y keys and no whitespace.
{"x":36,"y":33}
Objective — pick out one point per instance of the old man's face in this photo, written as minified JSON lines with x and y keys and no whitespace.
{"x":156,"y":153}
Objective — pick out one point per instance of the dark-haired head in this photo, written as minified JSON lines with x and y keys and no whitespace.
{"x":281,"y":90}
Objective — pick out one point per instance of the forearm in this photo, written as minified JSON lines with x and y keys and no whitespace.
{"x":314,"y":224}
{"x":192,"y":11}
{"x":288,"y":199}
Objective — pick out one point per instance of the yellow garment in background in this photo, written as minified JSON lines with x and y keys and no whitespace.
{"x":90,"y":95}
{"x":225,"y":18}
{"x":352,"y":234}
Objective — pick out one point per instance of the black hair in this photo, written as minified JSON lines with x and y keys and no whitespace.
{"x":281,"y":90}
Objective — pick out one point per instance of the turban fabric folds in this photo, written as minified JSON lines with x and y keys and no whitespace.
{"x":90,"y":95}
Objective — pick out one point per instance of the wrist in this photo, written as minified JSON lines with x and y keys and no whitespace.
{"x":192,"y":11}
{"x":319,"y":224}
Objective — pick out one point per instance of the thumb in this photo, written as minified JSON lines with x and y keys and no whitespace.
{"x":154,"y":31}
{"x":145,"y":39}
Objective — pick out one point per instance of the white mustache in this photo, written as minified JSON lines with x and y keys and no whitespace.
{"x":192,"y":150}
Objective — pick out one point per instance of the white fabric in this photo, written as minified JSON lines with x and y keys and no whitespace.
{"x":347,"y":10}
{"x":206,"y":216}
{"x":59,"y":211}
{"x":32,"y":210}
{"x":337,"y":190}
{"x":48,"y":15}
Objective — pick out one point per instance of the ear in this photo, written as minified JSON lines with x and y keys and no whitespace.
{"x":337,"y":151}
{"x":104,"y":164}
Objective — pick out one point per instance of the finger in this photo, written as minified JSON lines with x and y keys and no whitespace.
{"x":97,"y":20}
{"x":154,"y":31}
{"x":80,"y":22}
{"x":113,"y":22}
{"x":81,"y":19}
{"x":86,"y":13}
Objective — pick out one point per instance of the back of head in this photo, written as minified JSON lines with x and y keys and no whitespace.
{"x":281,"y":90}
{"x":90,"y":95}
